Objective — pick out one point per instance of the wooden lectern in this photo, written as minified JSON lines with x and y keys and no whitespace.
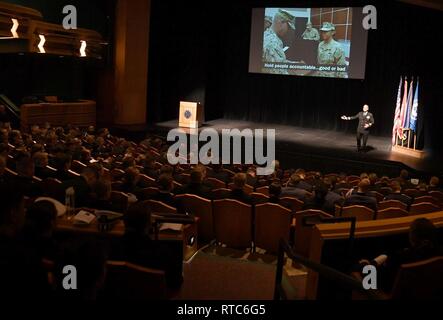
{"x":191,"y":115}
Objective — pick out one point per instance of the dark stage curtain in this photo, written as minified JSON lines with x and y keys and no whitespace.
{"x":201,"y":52}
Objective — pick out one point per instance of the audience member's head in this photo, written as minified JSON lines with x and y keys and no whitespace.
{"x":239,"y":180}
{"x":202,"y":169}
{"x":196,"y":176}
{"x":294,"y":180}
{"x":63,"y":162}
{"x":373,"y":178}
{"x":91,"y":175}
{"x":422,"y":233}
{"x":364,"y":175}
{"x":320,"y":191}
{"x":434,"y":182}
{"x":41,"y":159}
{"x":404,"y":174}
{"x":41,"y":217}
{"x":396,"y":187}
{"x":275,"y":189}
{"x":24,"y":165}
{"x":165,"y":182}
{"x":363,"y":185}
{"x":422,"y":187}
{"x":132,"y":176}
{"x":167,"y":169}
{"x":301,"y":173}
{"x":102,"y":189}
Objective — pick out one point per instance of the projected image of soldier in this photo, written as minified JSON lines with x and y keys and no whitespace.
{"x":330,"y":52}
{"x":268,"y":22}
{"x":310,"y":33}
{"x":273,"y":49}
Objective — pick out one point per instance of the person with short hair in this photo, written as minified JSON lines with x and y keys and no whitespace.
{"x":293,"y":188}
{"x":361,"y":197}
{"x":83,"y":187}
{"x":41,"y":162}
{"x":397,"y":195}
{"x":25,"y":172}
{"x":434,"y":184}
{"x":237,"y":192}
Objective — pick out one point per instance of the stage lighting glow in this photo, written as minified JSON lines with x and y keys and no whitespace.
{"x":83,"y":48}
{"x":41,"y":45}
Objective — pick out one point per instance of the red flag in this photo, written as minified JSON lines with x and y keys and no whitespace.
{"x":403,"y":110}
{"x":396,"y":114}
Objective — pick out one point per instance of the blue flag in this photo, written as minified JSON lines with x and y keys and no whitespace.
{"x":413,"y":120}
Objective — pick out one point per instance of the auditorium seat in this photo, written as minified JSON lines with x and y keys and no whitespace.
{"x":421,"y":280}
{"x":146,"y":181}
{"x":426,"y":199}
{"x":392,"y":204}
{"x":233,"y":223}
{"x":302,"y":245}
{"x":77,"y":166}
{"x":389,"y":213}
{"x":378,"y":196}
{"x":259,"y":197}
{"x":296,"y":204}
{"x":361,"y":213}
{"x":127,"y":281}
{"x":51,"y":187}
{"x":117,"y":174}
{"x":201,"y":208}
{"x":385,"y":190}
{"x":147,"y":193}
{"x":264,"y":190}
{"x":438,"y":195}
{"x":272,"y":222}
{"x":247,"y":188}
{"x":119,"y":201}
{"x":159,"y":207}
{"x":216,"y":183}
{"x":412,"y":193}
{"x":423,"y":207}
{"x":220,"y":193}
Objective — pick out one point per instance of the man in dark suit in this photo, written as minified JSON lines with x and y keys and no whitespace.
{"x":293,"y":189}
{"x":196,"y":185}
{"x":397,"y":195}
{"x":361,"y":197}
{"x":24,"y":180}
{"x":365,"y":121}
{"x":41,"y":166}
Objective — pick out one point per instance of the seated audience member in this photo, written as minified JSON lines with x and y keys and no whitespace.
{"x":361,"y":197}
{"x":422,"y":190}
{"x":149,"y":166}
{"x":131,"y":180}
{"x":251,"y":177}
{"x":292,"y":189}
{"x":404,"y":180}
{"x":89,"y":258}
{"x":63,"y":165}
{"x":102,"y":199}
{"x":342,"y":183}
{"x":22,"y":276}
{"x":331,"y":198}
{"x":317,"y":201}
{"x":302,"y":184}
{"x":373,"y":180}
{"x":237,"y":191}
{"x":15,"y":138}
{"x":137,"y":247}
{"x":165,"y":185}
{"x":24,"y":179}
{"x":39,"y":224}
{"x":41,"y":162}
{"x":218,"y":173}
{"x":434,"y":184}
{"x":196,"y":185}
{"x":275,"y":193}
{"x":364,"y":175}
{"x":423,"y":245}
{"x":83,"y":187}
{"x":397,"y":195}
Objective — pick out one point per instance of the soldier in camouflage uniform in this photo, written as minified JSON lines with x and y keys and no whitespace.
{"x":330,"y":52}
{"x":272,"y":42}
{"x":310,"y":33}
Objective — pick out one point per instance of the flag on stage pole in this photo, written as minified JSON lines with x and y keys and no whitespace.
{"x":408,"y":105}
{"x":396,"y":114}
{"x":403,"y":111}
{"x":413,"y":120}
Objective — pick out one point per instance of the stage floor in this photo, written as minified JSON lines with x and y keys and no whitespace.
{"x":325,"y":145}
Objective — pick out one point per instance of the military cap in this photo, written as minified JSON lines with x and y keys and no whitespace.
{"x":327,"y":26}
{"x":285,"y":16}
